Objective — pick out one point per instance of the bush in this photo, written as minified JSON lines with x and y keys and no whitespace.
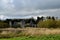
{"x":58,"y":23}
{"x":3,"y":25}
{"x":47,"y":24}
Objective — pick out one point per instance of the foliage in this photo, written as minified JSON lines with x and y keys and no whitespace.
{"x":3,"y":25}
{"x":58,"y":23}
{"x":42,"y":22}
{"x":47,"y":24}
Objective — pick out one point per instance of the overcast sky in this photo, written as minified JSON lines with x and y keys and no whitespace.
{"x":29,"y":8}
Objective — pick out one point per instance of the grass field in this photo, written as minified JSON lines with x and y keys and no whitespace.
{"x":41,"y":37}
{"x":30,"y":34}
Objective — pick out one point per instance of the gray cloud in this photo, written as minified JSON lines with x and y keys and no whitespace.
{"x":39,"y":4}
{"x":29,"y":8}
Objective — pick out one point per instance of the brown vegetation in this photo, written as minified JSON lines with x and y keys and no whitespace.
{"x":12,"y":32}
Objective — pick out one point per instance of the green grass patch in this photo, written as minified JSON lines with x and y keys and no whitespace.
{"x":41,"y":37}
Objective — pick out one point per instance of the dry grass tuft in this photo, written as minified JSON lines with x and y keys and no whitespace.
{"x":39,"y":31}
{"x":29,"y":31}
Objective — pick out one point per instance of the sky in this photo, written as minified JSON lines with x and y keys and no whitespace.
{"x":29,"y":8}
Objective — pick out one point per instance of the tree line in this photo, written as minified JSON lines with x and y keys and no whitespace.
{"x":40,"y":22}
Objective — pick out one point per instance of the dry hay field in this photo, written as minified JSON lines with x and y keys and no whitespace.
{"x":29,"y":31}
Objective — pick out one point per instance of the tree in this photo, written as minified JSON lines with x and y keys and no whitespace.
{"x":48,"y":17}
{"x":53,"y":18}
{"x":42,"y":18}
{"x":38,"y":19}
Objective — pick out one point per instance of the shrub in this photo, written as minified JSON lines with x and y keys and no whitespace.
{"x":47,"y":24}
{"x":3,"y":25}
{"x":58,"y":23}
